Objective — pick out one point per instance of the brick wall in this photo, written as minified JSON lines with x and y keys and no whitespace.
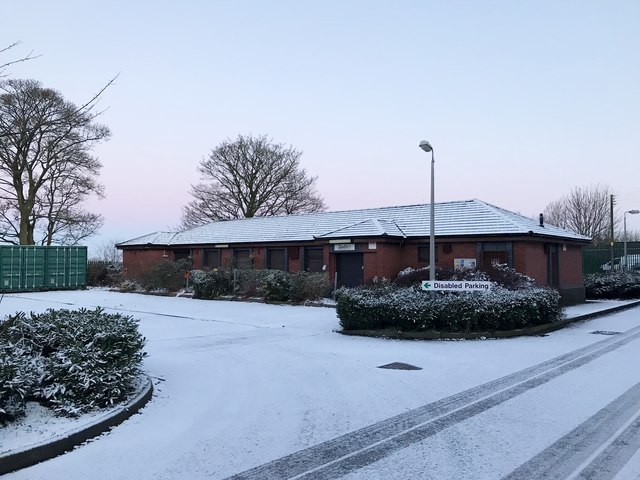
{"x":136,"y":262}
{"x":570,"y":266}
{"x":383,"y":262}
{"x":531,"y":259}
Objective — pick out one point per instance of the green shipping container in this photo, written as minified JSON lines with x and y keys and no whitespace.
{"x":29,"y":267}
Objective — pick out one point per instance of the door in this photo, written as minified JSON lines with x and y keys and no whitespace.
{"x":313,"y":259}
{"x":491,"y":259}
{"x":554,"y":266}
{"x":350,"y":268}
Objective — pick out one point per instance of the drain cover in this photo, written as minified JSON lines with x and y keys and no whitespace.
{"x":604,"y":332}
{"x":400,"y":366}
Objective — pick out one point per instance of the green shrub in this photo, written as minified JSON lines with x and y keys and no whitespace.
{"x":18,"y":377}
{"x":211,"y":284}
{"x":500,"y":274}
{"x":71,"y":361}
{"x":614,"y":285}
{"x":248,"y":283}
{"x":413,"y":309}
{"x":165,"y":275}
{"x":309,"y":286}
{"x":272,"y":285}
{"x":103,"y":274}
{"x":276,"y":286}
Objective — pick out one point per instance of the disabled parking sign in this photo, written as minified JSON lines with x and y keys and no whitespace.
{"x":456,"y":286}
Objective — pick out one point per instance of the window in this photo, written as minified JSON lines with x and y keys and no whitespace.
{"x":423,"y":253}
{"x":211,"y":257}
{"x":242,"y":258}
{"x":313,"y":259}
{"x":182,"y":255}
{"x":276,"y":259}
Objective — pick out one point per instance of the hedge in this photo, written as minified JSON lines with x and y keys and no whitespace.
{"x":410,"y":309}
{"x":270,"y":285}
{"x":615,"y":285}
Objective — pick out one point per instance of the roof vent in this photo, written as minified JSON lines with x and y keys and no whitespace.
{"x":541,"y":220}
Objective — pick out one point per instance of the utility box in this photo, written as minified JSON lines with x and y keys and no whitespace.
{"x":30,"y":267}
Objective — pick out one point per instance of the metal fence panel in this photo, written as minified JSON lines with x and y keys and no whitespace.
{"x":597,"y":258}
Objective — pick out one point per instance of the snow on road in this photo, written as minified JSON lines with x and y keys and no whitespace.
{"x":240,"y":386}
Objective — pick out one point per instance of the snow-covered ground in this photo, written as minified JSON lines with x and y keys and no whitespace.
{"x":238,"y":385}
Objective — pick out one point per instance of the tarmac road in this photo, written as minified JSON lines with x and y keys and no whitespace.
{"x":268,"y":392}
{"x":597,"y":449}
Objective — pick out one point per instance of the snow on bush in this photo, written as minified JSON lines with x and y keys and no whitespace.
{"x":211,"y":284}
{"x":165,"y":276}
{"x":409,"y":308}
{"x":501,"y":274}
{"x":309,"y":286}
{"x":271,"y":285}
{"x":622,"y":285}
{"x":276,"y":286}
{"x":70,"y":361}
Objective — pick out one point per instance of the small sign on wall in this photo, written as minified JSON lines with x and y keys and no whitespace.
{"x":344,"y":247}
{"x":464,"y":263}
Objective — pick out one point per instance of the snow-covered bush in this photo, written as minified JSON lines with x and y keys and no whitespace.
{"x":18,"y":376}
{"x":613,"y":285}
{"x":103,"y":274}
{"x":165,"y":275}
{"x":500,"y":274}
{"x":71,"y":361}
{"x":309,"y":286}
{"x":271,"y":285}
{"x":413,"y":309}
{"x":129,"y":286}
{"x":248,"y":283}
{"x":276,"y":286}
{"x":211,"y":284}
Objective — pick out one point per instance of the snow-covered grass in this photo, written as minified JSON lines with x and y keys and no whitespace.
{"x":239,"y":384}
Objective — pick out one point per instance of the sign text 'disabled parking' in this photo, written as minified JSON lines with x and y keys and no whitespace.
{"x":438,"y":285}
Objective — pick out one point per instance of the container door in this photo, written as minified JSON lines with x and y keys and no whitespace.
{"x":56,"y":267}
{"x":77,"y":266}
{"x":10,"y":268}
{"x":34,"y":267}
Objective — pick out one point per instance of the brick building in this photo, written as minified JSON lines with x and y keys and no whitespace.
{"x":357,"y":245}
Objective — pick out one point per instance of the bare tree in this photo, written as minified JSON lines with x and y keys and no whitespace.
{"x":585,"y":210}
{"x":251,"y":177}
{"x":107,"y":252}
{"x":3,"y":50}
{"x":46,"y":166}
{"x":632,"y":236}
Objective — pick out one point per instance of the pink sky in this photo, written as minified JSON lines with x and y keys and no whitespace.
{"x":521,"y":101}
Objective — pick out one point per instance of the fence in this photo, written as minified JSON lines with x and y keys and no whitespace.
{"x":597,"y":258}
{"x":28,"y":267}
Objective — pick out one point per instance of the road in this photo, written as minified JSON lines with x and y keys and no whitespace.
{"x":250,"y":391}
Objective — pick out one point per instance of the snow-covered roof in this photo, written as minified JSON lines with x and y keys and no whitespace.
{"x":452,"y":219}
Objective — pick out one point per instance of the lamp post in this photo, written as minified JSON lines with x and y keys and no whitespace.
{"x":424,"y":145}
{"x":624,"y":238}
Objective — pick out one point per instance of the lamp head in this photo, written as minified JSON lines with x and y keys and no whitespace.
{"x":633,"y":212}
{"x":426,"y":146}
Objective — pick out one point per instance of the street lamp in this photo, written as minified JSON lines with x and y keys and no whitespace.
{"x":426,"y":146}
{"x":624,"y":238}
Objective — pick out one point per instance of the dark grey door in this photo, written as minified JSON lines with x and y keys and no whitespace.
{"x":350,"y":269}
{"x":313,"y":259}
{"x":554,"y":266}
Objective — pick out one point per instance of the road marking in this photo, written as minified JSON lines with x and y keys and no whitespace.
{"x":596,"y":449}
{"x":339,"y":456}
